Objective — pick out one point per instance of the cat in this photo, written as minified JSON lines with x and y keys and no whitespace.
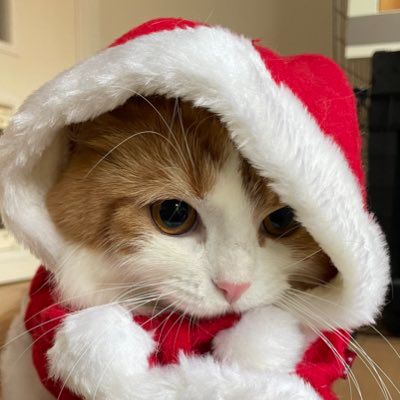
{"x":162,"y":214}
{"x":158,"y":187}
{"x":146,"y":215}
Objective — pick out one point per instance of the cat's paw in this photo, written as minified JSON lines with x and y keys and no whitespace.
{"x":267,"y":338}
{"x":97,"y":350}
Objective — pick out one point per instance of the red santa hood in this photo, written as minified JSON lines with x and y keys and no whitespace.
{"x":293,"y":118}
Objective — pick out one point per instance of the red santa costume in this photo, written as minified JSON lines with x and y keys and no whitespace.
{"x":293,"y":118}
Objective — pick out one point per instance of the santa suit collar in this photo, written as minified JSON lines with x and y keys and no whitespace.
{"x":322,"y":364}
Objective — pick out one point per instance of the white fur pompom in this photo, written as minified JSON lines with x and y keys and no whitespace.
{"x":266,"y":339}
{"x":97,"y":350}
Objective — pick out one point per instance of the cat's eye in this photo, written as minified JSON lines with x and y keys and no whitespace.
{"x":280,"y":222}
{"x":173,"y":217}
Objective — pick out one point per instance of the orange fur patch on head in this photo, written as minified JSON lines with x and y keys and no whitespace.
{"x":146,"y":150}
{"x":150,"y":150}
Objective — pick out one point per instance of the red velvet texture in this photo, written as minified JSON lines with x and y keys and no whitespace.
{"x":321,"y":366}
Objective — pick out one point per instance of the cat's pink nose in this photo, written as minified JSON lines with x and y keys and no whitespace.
{"x":232,"y":291}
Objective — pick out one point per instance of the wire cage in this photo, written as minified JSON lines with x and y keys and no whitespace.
{"x":376,"y":84}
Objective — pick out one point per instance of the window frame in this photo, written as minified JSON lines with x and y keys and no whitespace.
{"x":9,"y":47}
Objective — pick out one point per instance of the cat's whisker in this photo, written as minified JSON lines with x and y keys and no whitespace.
{"x":186,"y":143}
{"x":181,"y":317}
{"x":289,"y":305}
{"x":302,"y":260}
{"x":143,"y":285}
{"x":118,"y":145}
{"x":62,"y":263}
{"x":386,"y":340}
{"x":311,"y":280}
{"x":163,"y":310}
{"x":359,"y":349}
{"x":85,"y":350}
{"x":162,"y":118}
{"x":297,"y":293}
{"x":292,"y":229}
{"x":54,"y":327}
{"x":174,"y":113}
{"x":366,"y":359}
{"x":146,"y":100}
{"x":138,"y":301}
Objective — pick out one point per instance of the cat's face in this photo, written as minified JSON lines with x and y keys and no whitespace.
{"x":157,"y":192}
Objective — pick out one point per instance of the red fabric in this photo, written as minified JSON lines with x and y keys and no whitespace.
{"x":175,"y":334}
{"x":321,"y":86}
{"x":320,"y":366}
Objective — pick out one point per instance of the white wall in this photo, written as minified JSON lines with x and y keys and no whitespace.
{"x":44,"y":45}
{"x":50,"y":35}
{"x":289,"y":26}
{"x":357,"y":8}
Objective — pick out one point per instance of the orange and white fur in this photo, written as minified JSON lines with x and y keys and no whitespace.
{"x":233,"y":251}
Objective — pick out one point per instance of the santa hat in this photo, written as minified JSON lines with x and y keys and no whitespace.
{"x":293,"y":118}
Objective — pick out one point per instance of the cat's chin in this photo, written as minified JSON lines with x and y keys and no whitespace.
{"x":212,"y":311}
{"x":201,"y":312}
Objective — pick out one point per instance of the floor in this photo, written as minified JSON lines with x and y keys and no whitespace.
{"x":386,"y":355}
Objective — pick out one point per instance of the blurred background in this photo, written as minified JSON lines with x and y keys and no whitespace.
{"x":39,"y":38}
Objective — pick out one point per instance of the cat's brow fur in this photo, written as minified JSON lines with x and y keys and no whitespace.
{"x":148,"y":150}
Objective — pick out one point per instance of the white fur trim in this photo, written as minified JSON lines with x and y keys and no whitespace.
{"x":223,"y":72}
{"x":97,"y":350}
{"x":267,"y":339}
{"x":202,"y":378}
{"x":96,"y":355}
{"x":195,"y":378}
